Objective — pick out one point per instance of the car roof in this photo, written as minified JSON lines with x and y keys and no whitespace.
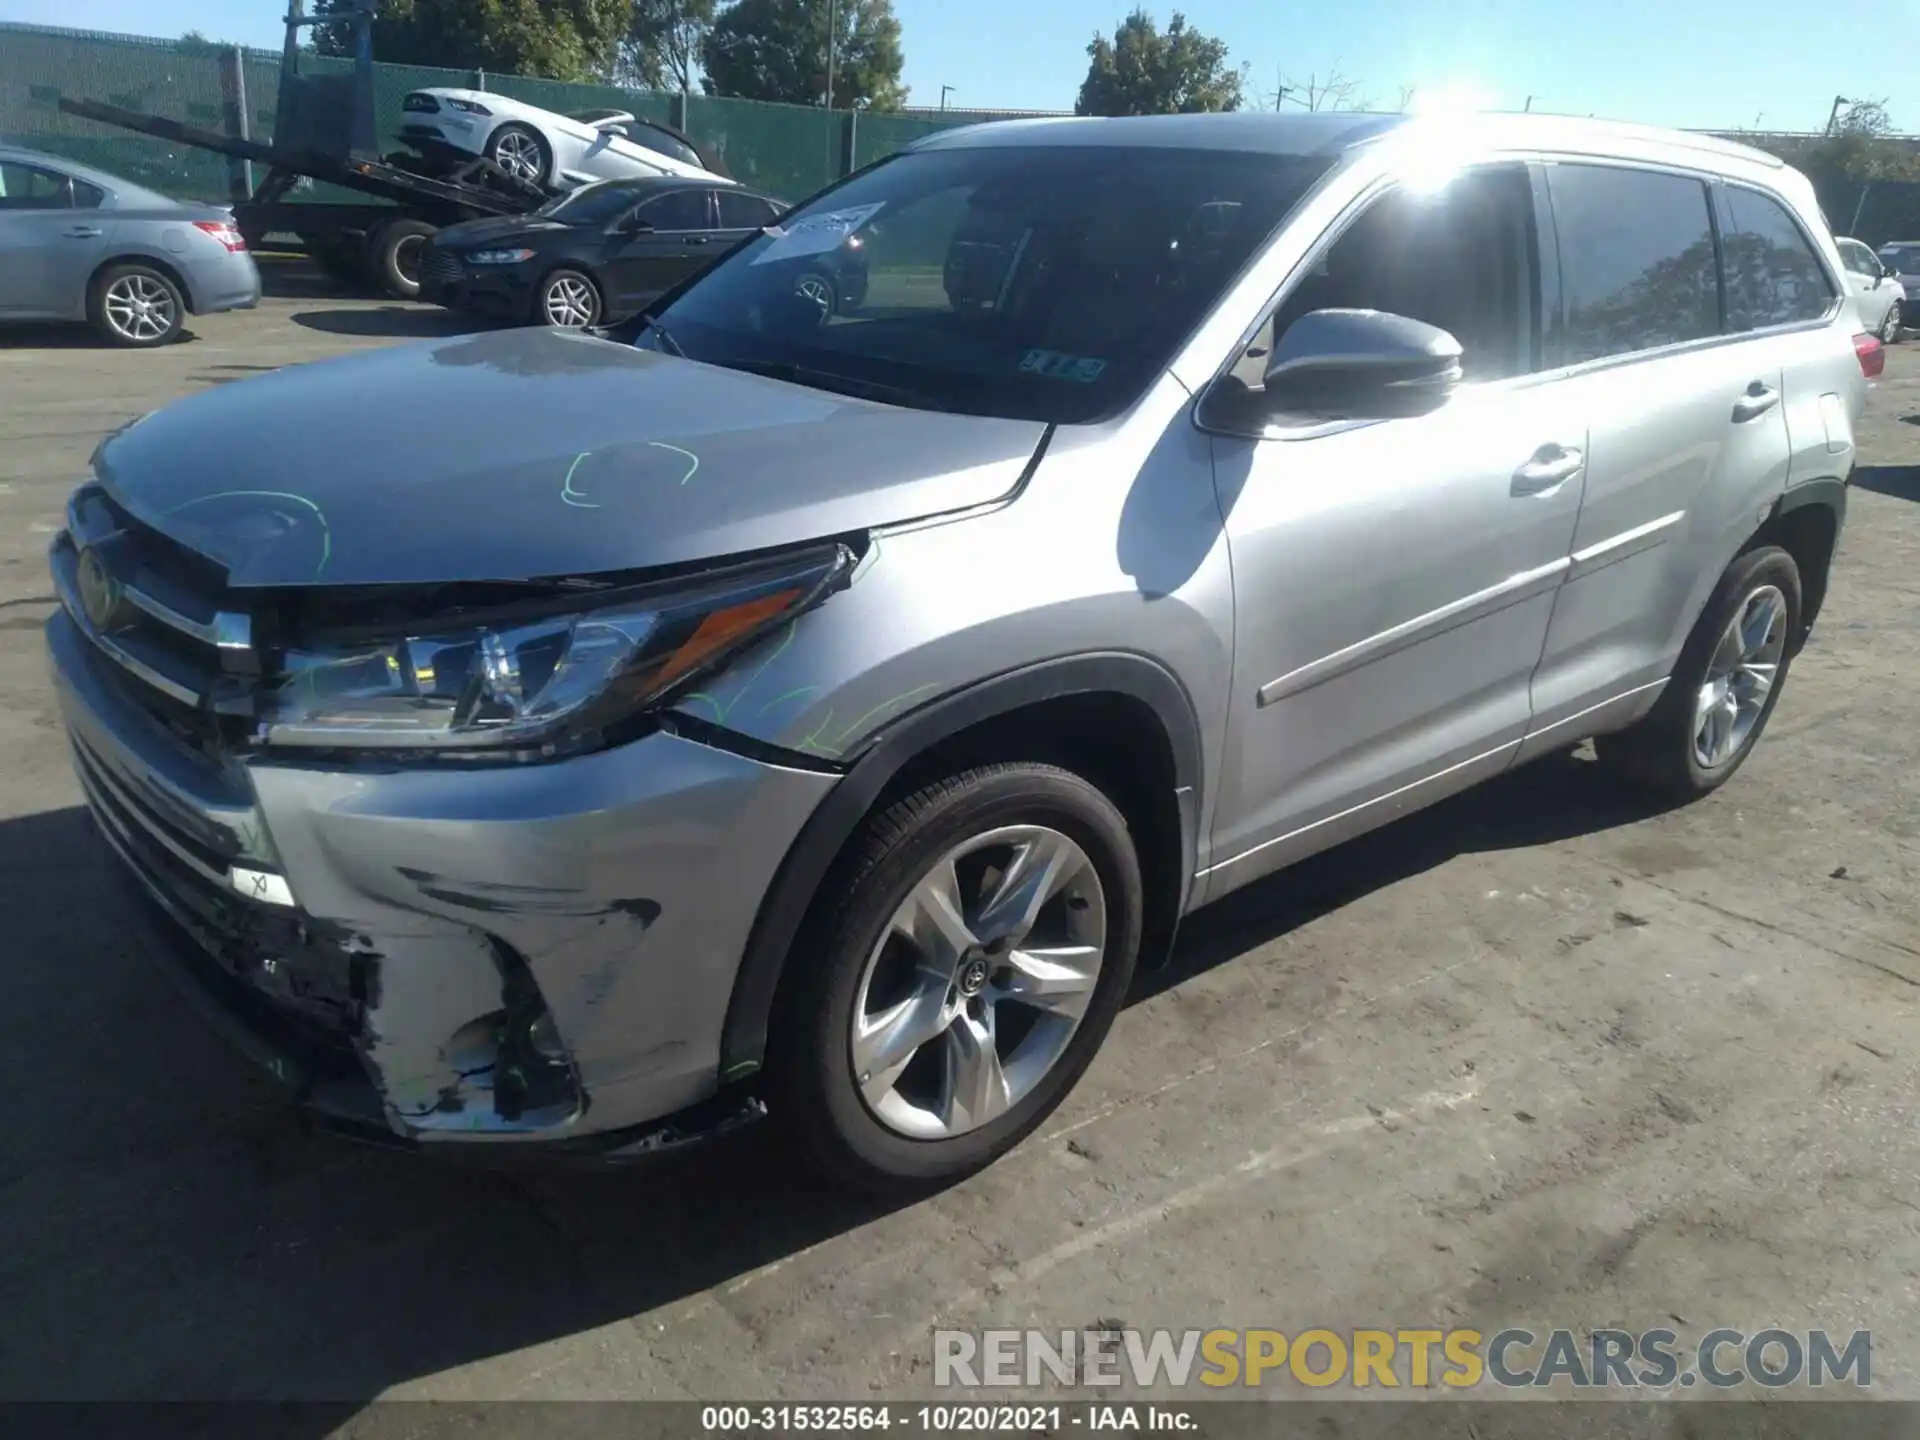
{"x":122,"y":189}
{"x":1333,"y":133}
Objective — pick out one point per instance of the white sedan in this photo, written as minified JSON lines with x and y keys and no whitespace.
{"x":557,"y":152}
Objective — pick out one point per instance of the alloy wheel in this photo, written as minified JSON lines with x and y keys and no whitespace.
{"x":569,"y":303}
{"x":1740,"y":677}
{"x":518,"y":154}
{"x":140,"y":308}
{"x":816,"y":289}
{"x":978,"y":982}
{"x":1890,"y":329}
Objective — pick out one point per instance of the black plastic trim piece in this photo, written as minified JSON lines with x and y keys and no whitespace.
{"x":784,"y":908}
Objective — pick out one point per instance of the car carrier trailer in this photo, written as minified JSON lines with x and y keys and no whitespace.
{"x":324,"y":132}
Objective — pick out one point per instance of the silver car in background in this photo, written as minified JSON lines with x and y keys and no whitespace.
{"x":79,"y":244}
{"x":775,"y":707}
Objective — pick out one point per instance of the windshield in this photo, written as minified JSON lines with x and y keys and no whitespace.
{"x":1904,"y":258}
{"x":1048,"y":283}
{"x":591,"y":204}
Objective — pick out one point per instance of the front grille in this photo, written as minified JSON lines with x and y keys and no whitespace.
{"x":437,"y":264}
{"x":156,"y":611}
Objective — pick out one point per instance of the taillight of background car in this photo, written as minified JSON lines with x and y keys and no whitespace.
{"x":224,"y":231}
{"x":1872,"y":355}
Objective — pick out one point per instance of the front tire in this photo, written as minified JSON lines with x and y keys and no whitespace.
{"x":1890,"y":327}
{"x":522,"y":152}
{"x":1724,"y":687}
{"x":137,"y":307}
{"x":981,"y":938}
{"x":567,"y":300}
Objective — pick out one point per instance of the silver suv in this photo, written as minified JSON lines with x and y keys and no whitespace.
{"x":588,"y":743}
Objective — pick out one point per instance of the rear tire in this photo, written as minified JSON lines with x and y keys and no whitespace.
{"x":1712,"y":712}
{"x":1038,"y":975}
{"x":522,"y":152}
{"x":393,"y":255}
{"x":137,"y":307}
{"x":1891,"y":326}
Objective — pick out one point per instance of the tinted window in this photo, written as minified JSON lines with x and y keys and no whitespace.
{"x":1773,"y":275}
{"x":660,"y":142}
{"x":1047,"y":282}
{"x":25,"y":187}
{"x":682,"y":210}
{"x":1636,"y":262}
{"x":745,"y":212}
{"x":87,"y":197}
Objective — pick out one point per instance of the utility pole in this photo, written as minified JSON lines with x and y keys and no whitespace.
{"x":833,"y":34}
{"x":1527,"y":109}
{"x":1833,"y":115}
{"x":945,"y":90}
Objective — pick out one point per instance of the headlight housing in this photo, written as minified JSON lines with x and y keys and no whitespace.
{"x":472,"y":107}
{"x":498,"y":257}
{"x":536,"y":678}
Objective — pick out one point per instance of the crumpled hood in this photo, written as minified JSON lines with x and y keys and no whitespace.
{"x":525,"y":454}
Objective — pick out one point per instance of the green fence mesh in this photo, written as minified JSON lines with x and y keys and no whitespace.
{"x":789,"y":150}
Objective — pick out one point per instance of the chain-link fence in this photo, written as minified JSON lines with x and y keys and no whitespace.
{"x":788,"y":150}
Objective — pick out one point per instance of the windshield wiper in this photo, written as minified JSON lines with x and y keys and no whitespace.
{"x":652,"y":322}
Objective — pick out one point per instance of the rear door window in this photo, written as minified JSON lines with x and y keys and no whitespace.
{"x":740,"y":211}
{"x":1637,"y":267}
{"x":1774,"y":275}
{"x":27,"y":187}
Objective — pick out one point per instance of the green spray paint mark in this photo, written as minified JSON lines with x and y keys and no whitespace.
{"x":818,"y":742}
{"x":326,"y":532}
{"x":722,"y":709}
{"x":567,"y":492}
{"x":579,"y":501}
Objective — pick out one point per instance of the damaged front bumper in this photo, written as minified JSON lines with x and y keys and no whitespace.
{"x":434,"y":955}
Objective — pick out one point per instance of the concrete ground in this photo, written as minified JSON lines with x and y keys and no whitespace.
{"x":1539,"y":1056}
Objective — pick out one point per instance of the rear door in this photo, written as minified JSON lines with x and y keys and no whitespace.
{"x":1687,"y":430}
{"x":676,"y":237}
{"x":53,"y":234}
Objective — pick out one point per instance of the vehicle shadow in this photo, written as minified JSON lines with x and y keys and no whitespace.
{"x":394,"y":320}
{"x":1902,"y":482}
{"x":174,"y":1236}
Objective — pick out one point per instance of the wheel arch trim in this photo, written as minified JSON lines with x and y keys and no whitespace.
{"x":783,"y":909}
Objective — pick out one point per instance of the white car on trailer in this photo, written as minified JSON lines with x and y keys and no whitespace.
{"x":558,"y":152}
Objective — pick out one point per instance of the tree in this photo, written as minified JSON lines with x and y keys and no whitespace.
{"x":1142,"y":71}
{"x":565,"y":39}
{"x":777,"y":50}
{"x":663,"y":43}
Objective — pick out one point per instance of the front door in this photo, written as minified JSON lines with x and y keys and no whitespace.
{"x":675,"y":237}
{"x":1393,"y":580}
{"x":49,"y":245}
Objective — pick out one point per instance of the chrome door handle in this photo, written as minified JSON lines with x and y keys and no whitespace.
{"x":1759,"y":399}
{"x":83,"y":232}
{"x":1551,"y":467}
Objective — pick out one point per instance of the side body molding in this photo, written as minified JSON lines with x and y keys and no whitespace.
{"x":784,"y":908}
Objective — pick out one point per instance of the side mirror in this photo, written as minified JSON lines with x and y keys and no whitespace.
{"x":1362,"y":365}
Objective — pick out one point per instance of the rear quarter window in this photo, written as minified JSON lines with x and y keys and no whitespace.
{"x":1774,"y":275}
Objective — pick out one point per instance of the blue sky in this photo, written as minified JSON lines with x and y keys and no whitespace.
{"x":1718,"y":63}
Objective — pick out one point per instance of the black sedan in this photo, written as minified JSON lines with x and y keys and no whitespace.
{"x":604,"y":251}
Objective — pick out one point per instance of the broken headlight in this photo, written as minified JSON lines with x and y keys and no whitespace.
{"x":536,"y":678}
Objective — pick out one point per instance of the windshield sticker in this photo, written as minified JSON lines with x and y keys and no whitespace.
{"x":1081,"y":369}
{"x":816,"y":234}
